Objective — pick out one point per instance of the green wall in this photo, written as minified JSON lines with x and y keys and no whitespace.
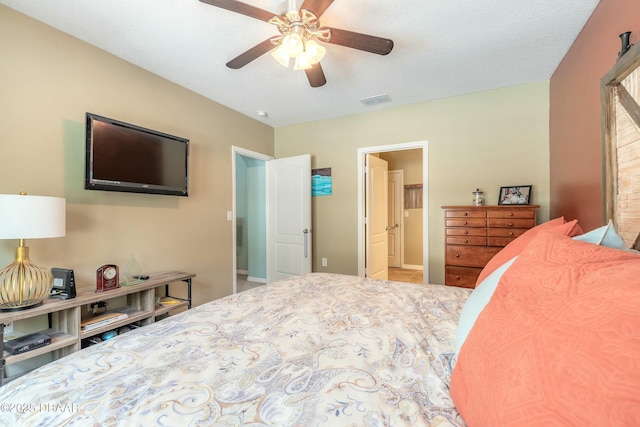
{"x":482,"y":140}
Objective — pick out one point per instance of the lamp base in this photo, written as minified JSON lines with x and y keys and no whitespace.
{"x":23,"y":285}
{"x":27,"y":304}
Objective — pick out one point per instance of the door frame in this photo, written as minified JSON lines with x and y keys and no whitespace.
{"x":424,"y":145}
{"x":231,"y":215}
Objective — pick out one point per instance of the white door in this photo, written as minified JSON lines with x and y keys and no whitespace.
{"x":376,"y":217}
{"x":288,"y":217}
{"x":394,"y":224}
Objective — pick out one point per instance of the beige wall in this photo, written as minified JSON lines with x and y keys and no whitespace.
{"x":48,"y":80}
{"x":483,"y":140}
{"x":574,"y":125}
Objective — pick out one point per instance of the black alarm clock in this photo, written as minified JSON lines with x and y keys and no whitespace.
{"x":64,"y":283}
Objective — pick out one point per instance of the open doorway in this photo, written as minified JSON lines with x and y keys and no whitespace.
{"x":271,"y":217}
{"x":407,"y":227}
{"x":249,"y":213}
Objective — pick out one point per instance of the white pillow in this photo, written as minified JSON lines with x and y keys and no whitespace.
{"x":476,"y":302}
{"x":604,"y":236}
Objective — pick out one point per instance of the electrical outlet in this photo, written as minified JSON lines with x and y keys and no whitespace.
{"x":324,"y":262}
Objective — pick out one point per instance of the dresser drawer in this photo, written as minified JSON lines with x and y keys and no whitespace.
{"x":465,"y":231}
{"x":466,"y":240}
{"x":469,"y":256}
{"x":499,"y":241}
{"x":512,"y":223}
{"x":465,"y":213}
{"x":464,"y":277}
{"x":465,"y":222}
{"x":506,"y":232}
{"x":503,"y":236}
{"x":512,"y":213}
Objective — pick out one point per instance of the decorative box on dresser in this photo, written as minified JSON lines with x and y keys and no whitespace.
{"x":474,"y":234}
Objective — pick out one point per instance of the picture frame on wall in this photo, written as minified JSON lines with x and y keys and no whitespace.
{"x":515,"y":195}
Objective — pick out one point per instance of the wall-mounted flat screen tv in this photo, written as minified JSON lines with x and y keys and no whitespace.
{"x":125,"y":157}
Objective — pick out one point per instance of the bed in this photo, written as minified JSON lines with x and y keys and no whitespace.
{"x":322,"y":349}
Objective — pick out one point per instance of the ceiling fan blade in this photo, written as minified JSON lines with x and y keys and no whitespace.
{"x":316,"y":6}
{"x":251,"y":54}
{"x":315,"y":75}
{"x":360,"y":41}
{"x":242,"y":8}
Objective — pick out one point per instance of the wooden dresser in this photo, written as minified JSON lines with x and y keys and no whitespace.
{"x":474,"y":234}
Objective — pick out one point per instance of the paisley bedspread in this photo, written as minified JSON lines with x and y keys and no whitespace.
{"x":318,"y":350}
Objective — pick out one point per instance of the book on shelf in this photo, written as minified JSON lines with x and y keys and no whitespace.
{"x":102,"y":320}
{"x":169,"y":301}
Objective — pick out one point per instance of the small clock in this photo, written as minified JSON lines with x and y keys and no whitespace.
{"x":107,"y":278}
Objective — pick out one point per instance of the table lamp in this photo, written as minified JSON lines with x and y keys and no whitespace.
{"x":23,"y":284}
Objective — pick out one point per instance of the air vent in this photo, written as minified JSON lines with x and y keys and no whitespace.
{"x":375,"y":100}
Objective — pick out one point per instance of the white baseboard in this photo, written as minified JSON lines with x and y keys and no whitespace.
{"x":242,"y":272}
{"x":412,"y":267}
{"x":257,"y":279}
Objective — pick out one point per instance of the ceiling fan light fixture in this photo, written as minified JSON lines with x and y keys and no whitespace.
{"x":300,"y":30}
{"x":293,"y":44}
{"x":314,"y":51}
{"x":281,"y":56}
{"x":302,"y":62}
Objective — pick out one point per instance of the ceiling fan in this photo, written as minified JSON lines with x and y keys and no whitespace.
{"x":296,"y":45}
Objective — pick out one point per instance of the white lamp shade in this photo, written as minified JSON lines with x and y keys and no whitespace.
{"x":31,"y":217}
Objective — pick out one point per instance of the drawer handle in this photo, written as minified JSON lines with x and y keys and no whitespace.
{"x":510,"y":224}
{"x":510,"y":213}
{"x":466,"y":231}
{"x":466,"y":223}
{"x":458,"y":255}
{"x":457,"y":277}
{"x":466,"y":240}
{"x":511,"y":233}
{"x":466,"y":213}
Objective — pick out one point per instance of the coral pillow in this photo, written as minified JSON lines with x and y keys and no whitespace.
{"x":557,"y":225}
{"x":558,"y":343}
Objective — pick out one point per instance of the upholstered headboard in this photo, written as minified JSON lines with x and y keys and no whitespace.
{"x":620,"y":109}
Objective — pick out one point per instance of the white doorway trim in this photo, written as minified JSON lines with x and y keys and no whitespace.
{"x":246,"y":153}
{"x":424,"y":145}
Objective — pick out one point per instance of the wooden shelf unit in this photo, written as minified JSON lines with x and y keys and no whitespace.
{"x":65,"y":316}
{"x":474,"y":234}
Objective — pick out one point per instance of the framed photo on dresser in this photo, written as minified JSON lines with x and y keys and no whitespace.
{"x":515,"y":195}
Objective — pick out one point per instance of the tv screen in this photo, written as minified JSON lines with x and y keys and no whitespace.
{"x":125,"y":157}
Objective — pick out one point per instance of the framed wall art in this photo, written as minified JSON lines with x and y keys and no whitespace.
{"x":515,"y":195}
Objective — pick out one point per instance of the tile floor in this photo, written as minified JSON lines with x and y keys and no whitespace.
{"x":405,"y":275}
{"x":395,"y":274}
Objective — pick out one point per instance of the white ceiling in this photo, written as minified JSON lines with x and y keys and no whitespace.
{"x":442,"y":48}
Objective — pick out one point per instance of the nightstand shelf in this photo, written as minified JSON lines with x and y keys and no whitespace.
{"x":65,"y":316}
{"x":59,"y":340}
